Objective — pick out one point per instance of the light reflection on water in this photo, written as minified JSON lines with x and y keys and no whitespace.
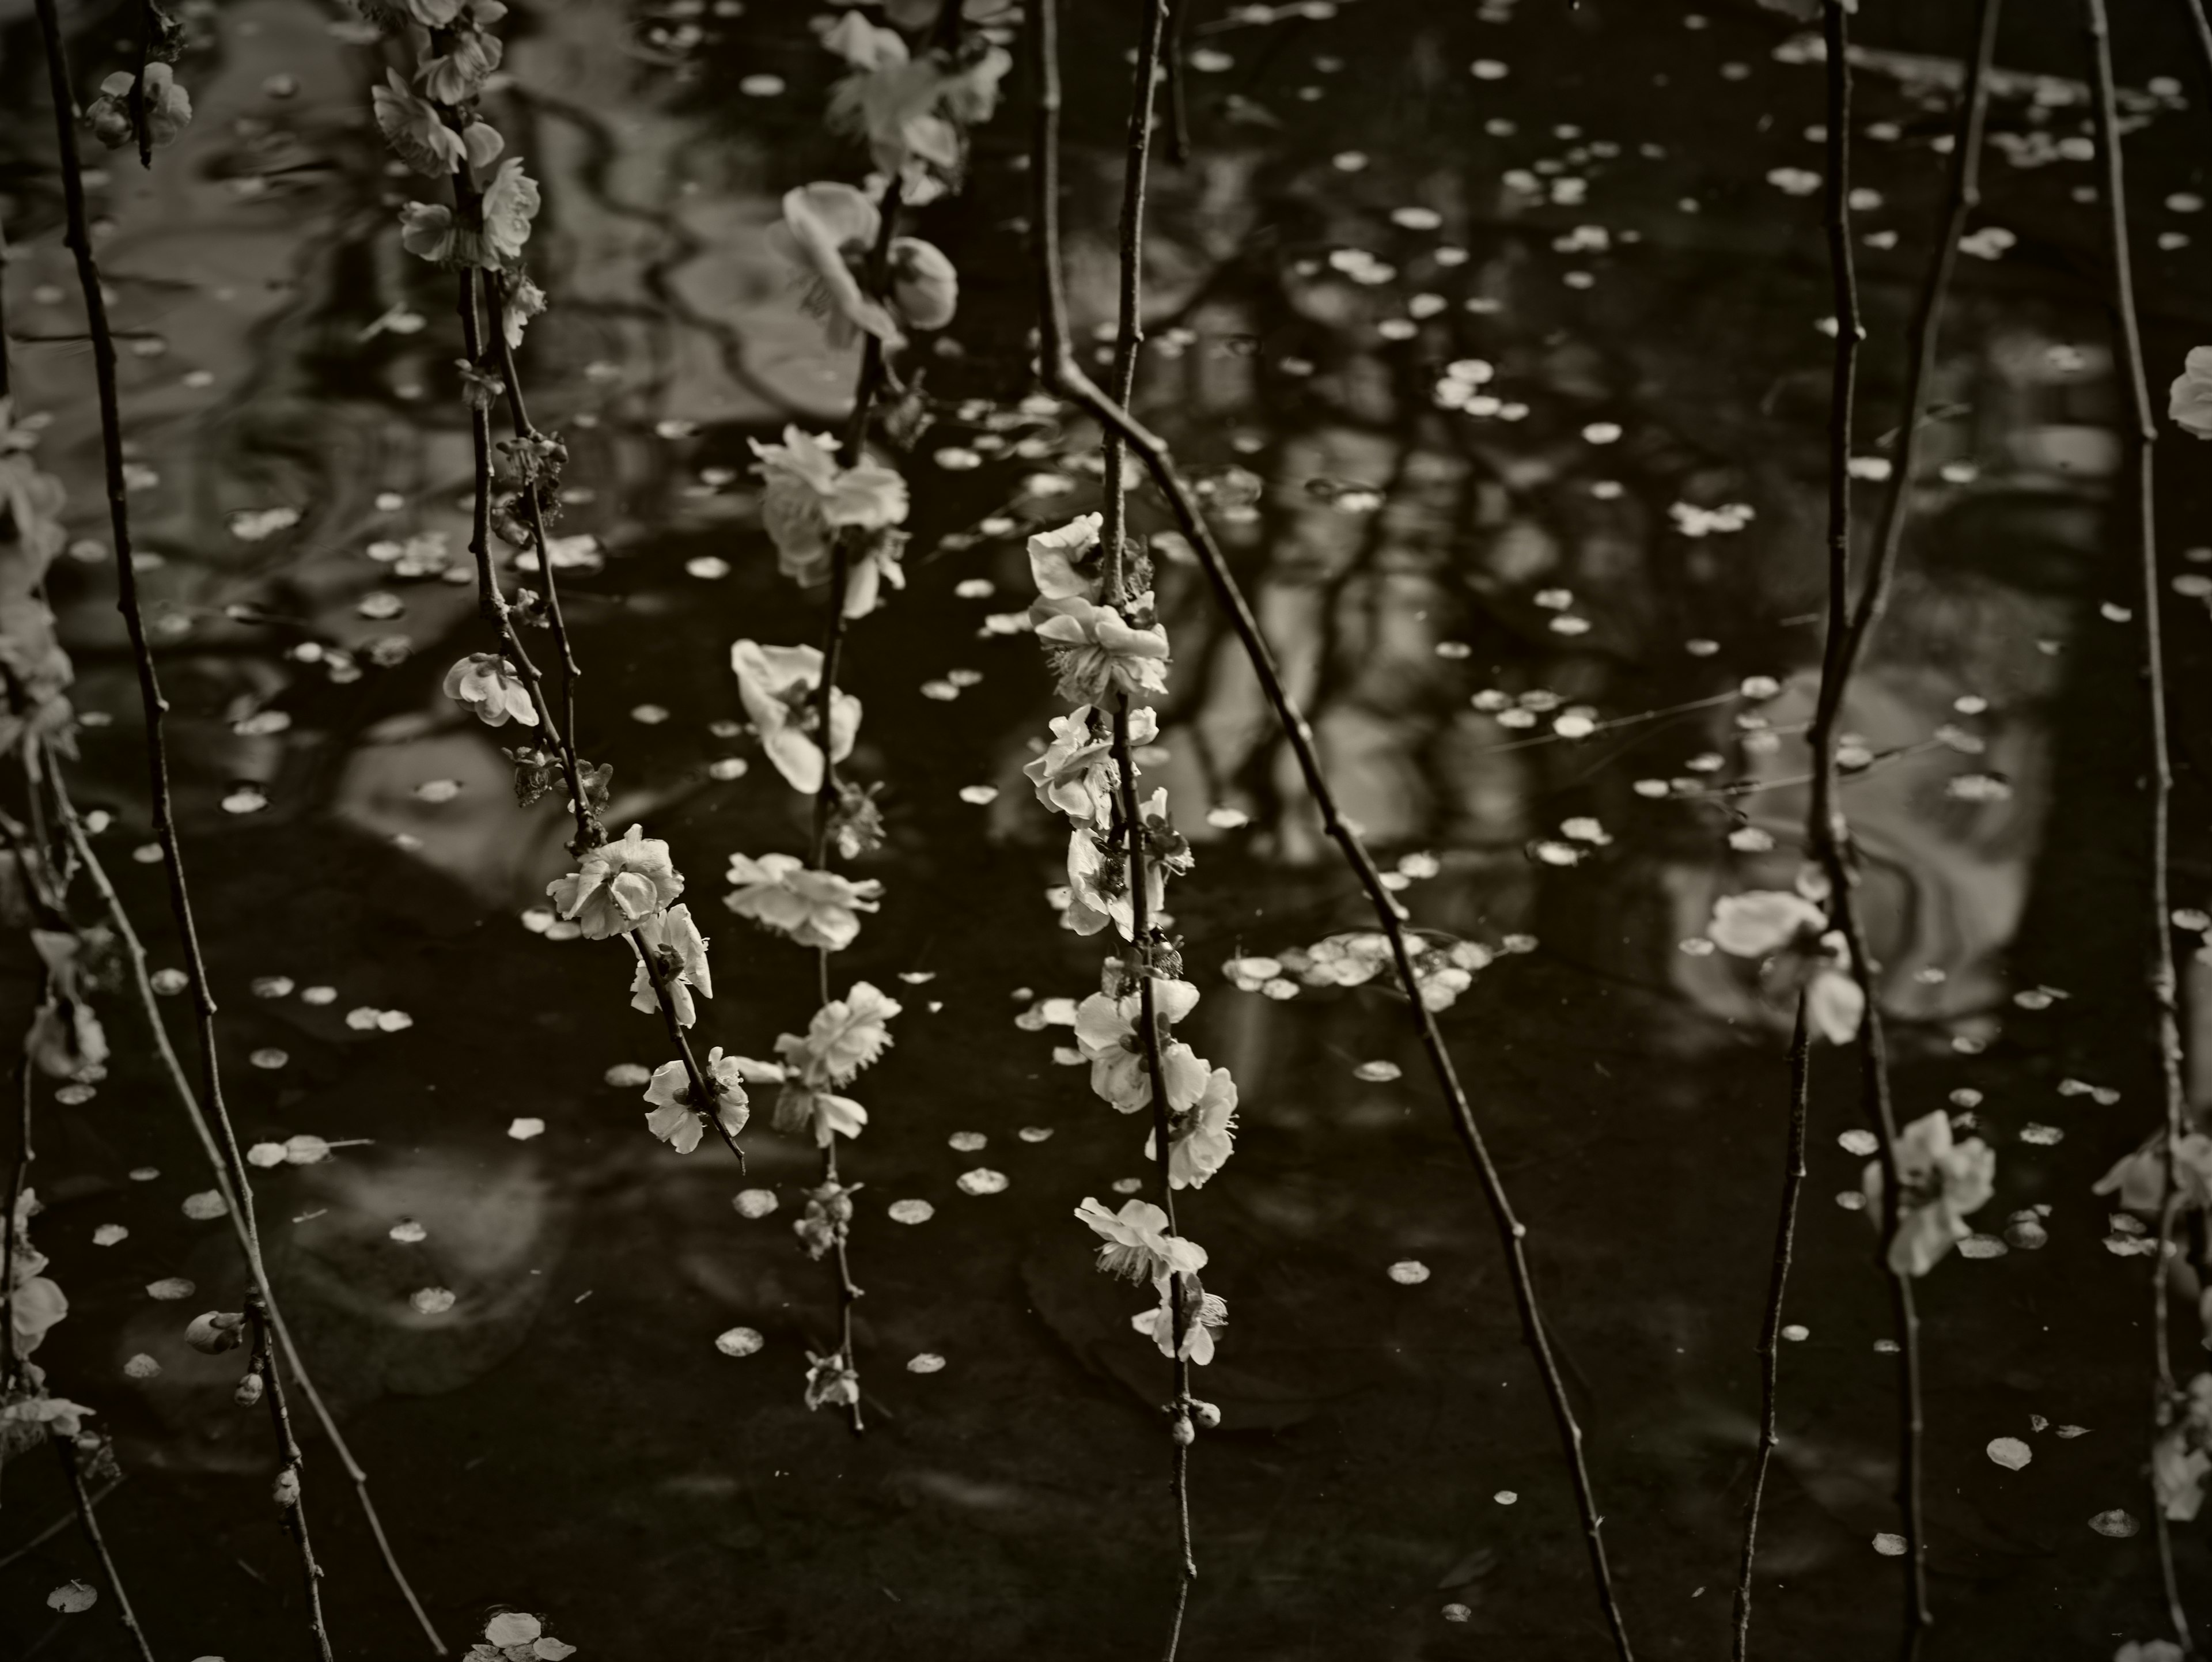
{"x":566,"y":1437}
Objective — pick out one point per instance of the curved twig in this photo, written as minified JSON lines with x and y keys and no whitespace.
{"x":1065,"y":377}
{"x":229,"y":1164}
{"x":1770,"y":1335}
{"x":2167,"y":1400}
{"x":1826,"y":830}
{"x":82,"y":1499}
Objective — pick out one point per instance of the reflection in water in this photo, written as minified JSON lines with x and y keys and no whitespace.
{"x":1507,"y":397}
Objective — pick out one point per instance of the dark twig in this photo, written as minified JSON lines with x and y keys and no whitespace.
{"x":230,"y":1165}
{"x":1770,"y":1335}
{"x":1067,"y":378}
{"x":289,"y":1462}
{"x":2166,"y":1397}
{"x":1178,"y":85}
{"x":172,"y":1068}
{"x":1826,"y":830}
{"x":65,"y":1447}
{"x":1965,"y":196}
{"x":59,"y":1526}
{"x":1129,"y":335}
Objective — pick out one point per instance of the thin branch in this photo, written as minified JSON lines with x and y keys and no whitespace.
{"x":1965,"y":196}
{"x":289,"y":1462}
{"x":65,"y":1448}
{"x":172,"y":1068}
{"x":2166,"y":1395}
{"x":1770,"y":1335}
{"x":59,"y":1526}
{"x":230,"y":1164}
{"x":1826,"y":829}
{"x":1064,"y":376}
{"x":1178,"y":86}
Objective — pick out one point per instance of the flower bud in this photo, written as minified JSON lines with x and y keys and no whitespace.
{"x":214,"y":1332}
{"x":248,"y":1394}
{"x":287,"y":1490}
{"x":1181,"y":1430}
{"x":1207,"y":1415}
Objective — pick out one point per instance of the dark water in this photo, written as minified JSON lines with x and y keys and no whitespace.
{"x":566,"y":1439}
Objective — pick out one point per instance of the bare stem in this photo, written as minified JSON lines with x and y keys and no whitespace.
{"x":65,"y":1447}
{"x":2166,"y":1397}
{"x":1067,"y":378}
{"x":1826,"y":830}
{"x":1770,"y":1335}
{"x":229,"y":1164}
{"x":172,"y":1068}
{"x":288,"y":1463}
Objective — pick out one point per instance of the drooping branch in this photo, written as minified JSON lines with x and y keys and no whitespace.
{"x":1769,"y":1333}
{"x":1064,"y":376}
{"x":229,"y":1164}
{"x":1825,"y":830}
{"x":2167,"y":1400}
{"x":87,"y":1520}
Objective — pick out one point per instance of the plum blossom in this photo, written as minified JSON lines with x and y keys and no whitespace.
{"x":457,"y":75}
{"x":1202,"y":1313}
{"x":1057,"y":562}
{"x":2190,"y":401}
{"x":1762,"y":922}
{"x":2181,"y":1459}
{"x":35,"y":1302}
{"x":1076,"y":775}
{"x":778,"y":685}
{"x":419,"y":137}
{"x":1205,"y":1132}
{"x":510,"y":202}
{"x":925,"y":284}
{"x":618,"y":884}
{"x":168,"y":107}
{"x":673,"y":931}
{"x":675,"y":1118}
{"x":810,"y":499}
{"x":2139,"y":1178}
{"x":1943,"y":1182}
{"x":910,"y":110}
{"x":822,"y":1115}
{"x":491,"y":689}
{"x":1767,"y":922}
{"x":1137,"y":1243}
{"x":815,"y":908}
{"x":833,"y":226}
{"x":1097,"y":651}
{"x":1106,"y":1031}
{"x":846,"y":1035}
{"x":831,"y":1381}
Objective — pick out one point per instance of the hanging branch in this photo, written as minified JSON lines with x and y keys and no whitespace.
{"x":1129,"y":334}
{"x":1770,"y":1335}
{"x":65,"y":1447}
{"x":230,"y":1165}
{"x":2167,"y":1397}
{"x":173,"y":1068}
{"x":1826,"y":830}
{"x":1065,"y":377}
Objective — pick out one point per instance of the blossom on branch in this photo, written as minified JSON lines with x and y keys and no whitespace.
{"x":846,"y":1035}
{"x":1941,"y":1182}
{"x":809,"y":498}
{"x":833,"y":227}
{"x":492,"y":690}
{"x":1097,"y":651}
{"x":815,"y":908}
{"x":618,"y":884}
{"x":2189,"y":402}
{"x":1106,"y":1031}
{"x":1204,"y":1132}
{"x":910,"y":110}
{"x":1202,"y":1313}
{"x":665,"y":934}
{"x":169,"y":108}
{"x":1137,"y":1243}
{"x":676,"y":1118}
{"x":778,"y":685}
